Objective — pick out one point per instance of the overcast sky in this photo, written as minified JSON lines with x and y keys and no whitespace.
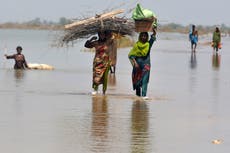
{"x":203,"y":12}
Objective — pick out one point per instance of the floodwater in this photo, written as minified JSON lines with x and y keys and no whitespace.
{"x":53,"y":112}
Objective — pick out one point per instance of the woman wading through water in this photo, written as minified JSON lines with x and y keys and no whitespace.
{"x":101,"y":62}
{"x":140,"y":60}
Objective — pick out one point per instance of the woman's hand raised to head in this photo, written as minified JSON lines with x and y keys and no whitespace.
{"x":93,"y":38}
{"x":154,"y":32}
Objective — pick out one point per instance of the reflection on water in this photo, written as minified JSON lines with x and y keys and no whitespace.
{"x":19,"y":81}
{"x":140,"y":128}
{"x":99,"y":126}
{"x":112,"y":79}
{"x":193,"y":62}
{"x":19,"y":74}
{"x":216,"y":60}
{"x":192,"y":75}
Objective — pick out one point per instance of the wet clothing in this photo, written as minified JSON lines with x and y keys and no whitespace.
{"x":140,"y":76}
{"x":101,"y":62}
{"x":113,"y":52}
{"x":101,"y":65}
{"x":193,"y":38}
{"x":20,"y":62}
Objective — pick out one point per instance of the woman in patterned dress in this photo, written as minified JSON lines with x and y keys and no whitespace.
{"x":101,"y":62}
{"x":140,"y":60}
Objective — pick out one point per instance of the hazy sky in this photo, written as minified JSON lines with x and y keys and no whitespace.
{"x":204,"y":12}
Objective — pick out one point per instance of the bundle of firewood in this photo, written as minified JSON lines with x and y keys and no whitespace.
{"x":85,"y":28}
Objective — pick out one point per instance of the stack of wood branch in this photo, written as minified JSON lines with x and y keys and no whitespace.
{"x":85,"y":28}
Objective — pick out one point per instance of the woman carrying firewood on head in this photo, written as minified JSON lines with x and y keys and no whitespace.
{"x":101,"y":62}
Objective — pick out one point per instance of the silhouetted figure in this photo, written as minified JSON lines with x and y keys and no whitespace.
{"x":112,"y":51}
{"x":193,"y":37}
{"x":20,"y":61}
{"x":216,"y":40}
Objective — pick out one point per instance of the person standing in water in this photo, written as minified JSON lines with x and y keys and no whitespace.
{"x":20,"y":61}
{"x":193,"y":37}
{"x":101,"y":62}
{"x":216,"y":39}
{"x":112,"y":44}
{"x":113,"y":54}
{"x":139,"y":57}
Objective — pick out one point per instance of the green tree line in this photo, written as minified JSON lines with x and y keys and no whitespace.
{"x":38,"y":23}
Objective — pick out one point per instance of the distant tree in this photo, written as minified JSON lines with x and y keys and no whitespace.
{"x":223,"y":26}
{"x":36,"y":21}
{"x":175,"y":26}
{"x":63,"y":21}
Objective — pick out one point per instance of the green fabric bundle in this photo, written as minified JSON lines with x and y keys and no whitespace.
{"x":139,"y":49}
{"x":140,"y":13}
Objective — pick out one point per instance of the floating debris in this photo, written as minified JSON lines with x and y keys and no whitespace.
{"x":217,"y":141}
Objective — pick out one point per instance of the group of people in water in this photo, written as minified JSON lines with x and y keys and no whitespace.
{"x":216,"y":39}
{"x":106,"y":53}
{"x":139,"y":57}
